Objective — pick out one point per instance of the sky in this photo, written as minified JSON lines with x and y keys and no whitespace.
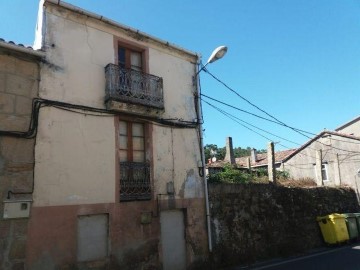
{"x":299,"y":60}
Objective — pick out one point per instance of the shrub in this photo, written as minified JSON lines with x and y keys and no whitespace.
{"x":230,"y":175}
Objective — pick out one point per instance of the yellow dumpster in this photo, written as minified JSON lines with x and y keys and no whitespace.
{"x":333,"y":228}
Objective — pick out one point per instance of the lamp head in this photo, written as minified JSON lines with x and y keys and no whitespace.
{"x":218,"y":53}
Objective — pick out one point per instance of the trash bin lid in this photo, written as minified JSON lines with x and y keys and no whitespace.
{"x":349,"y":215}
{"x":331,"y":216}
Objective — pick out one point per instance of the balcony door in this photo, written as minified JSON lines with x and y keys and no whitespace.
{"x":134,"y":170}
{"x":131,"y":62}
{"x":130,"y":59}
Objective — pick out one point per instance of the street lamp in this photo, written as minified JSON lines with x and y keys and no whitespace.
{"x":218,"y":53}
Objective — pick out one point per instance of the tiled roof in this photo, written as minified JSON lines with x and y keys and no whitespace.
{"x":12,"y":47}
{"x":13,"y":43}
{"x":261,"y":159}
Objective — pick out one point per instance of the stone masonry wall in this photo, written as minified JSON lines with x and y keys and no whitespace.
{"x":18,"y":85}
{"x":253,"y":222}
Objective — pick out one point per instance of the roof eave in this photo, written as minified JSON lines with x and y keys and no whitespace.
{"x":119,"y":25}
{"x":22,"y":50}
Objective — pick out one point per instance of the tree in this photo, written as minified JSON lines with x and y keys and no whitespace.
{"x":212,"y":150}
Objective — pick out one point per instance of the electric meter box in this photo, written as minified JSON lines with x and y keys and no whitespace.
{"x":16,"y":209}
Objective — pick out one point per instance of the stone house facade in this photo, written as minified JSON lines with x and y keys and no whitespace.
{"x":119,"y":180}
{"x":19,"y":85}
{"x":330,"y":158}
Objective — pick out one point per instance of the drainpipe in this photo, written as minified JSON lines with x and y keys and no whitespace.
{"x":199,"y":117}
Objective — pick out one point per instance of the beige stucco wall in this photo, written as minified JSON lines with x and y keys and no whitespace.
{"x":75,"y":154}
{"x":79,"y":48}
{"x":74,"y":161}
{"x":348,"y":151}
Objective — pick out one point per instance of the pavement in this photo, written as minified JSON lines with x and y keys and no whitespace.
{"x":330,"y":258}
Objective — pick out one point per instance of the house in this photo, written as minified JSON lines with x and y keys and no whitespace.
{"x":351,"y":128}
{"x":331,"y":158}
{"x":260,"y":160}
{"x":19,"y":85}
{"x":118,"y":174}
{"x":254,"y":161}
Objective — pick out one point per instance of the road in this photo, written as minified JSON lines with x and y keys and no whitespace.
{"x":340,"y":258}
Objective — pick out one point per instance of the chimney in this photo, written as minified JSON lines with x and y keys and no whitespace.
{"x":253,"y":155}
{"x":229,"y":157}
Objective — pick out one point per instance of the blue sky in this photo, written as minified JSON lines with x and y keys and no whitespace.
{"x":298,"y":60}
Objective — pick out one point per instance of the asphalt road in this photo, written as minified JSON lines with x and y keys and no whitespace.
{"x":339,"y":258}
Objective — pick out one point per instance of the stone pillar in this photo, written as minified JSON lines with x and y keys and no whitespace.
{"x":248,"y":163}
{"x":253,"y":155}
{"x":319,"y":180}
{"x":337,"y":171}
{"x":271,"y":162}
{"x":229,"y":157}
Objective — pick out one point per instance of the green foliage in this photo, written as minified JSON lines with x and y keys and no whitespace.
{"x":230,"y":175}
{"x":233,"y":175}
{"x":283,"y":175}
{"x":221,"y":151}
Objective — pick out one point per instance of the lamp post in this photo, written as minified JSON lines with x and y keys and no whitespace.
{"x":217,"y":54}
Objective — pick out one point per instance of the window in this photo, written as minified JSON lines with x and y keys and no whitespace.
{"x":131,"y":142}
{"x":130,"y":59}
{"x":134,"y":170}
{"x":324,"y":172}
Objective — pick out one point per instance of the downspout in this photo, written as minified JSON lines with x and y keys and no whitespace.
{"x":201,"y":144}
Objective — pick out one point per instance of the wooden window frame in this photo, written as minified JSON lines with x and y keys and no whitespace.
{"x":132,"y":46}
{"x":148,"y":149}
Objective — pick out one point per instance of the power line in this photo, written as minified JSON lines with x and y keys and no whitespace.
{"x":222,"y":111}
{"x":257,"y":107}
{"x":232,"y":117}
{"x":255,"y":115}
{"x":236,"y":108}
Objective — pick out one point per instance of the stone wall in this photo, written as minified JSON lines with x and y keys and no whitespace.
{"x":19,"y":78}
{"x":254,"y":222}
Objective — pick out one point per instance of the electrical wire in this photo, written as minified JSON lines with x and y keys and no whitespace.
{"x":234,"y":118}
{"x":257,"y":107}
{"x":75,"y":108}
{"x":255,"y":115}
{"x":236,"y":108}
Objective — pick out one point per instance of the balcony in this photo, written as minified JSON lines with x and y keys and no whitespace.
{"x":134,"y":181}
{"x":133,"y":91}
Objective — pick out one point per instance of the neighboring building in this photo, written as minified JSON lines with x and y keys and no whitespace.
{"x":117,"y":178}
{"x":351,"y":128}
{"x":258,"y":161}
{"x":255,"y":161}
{"x":330,"y":158}
{"x":19,"y":84}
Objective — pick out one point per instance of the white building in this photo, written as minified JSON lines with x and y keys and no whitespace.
{"x":117,"y":177}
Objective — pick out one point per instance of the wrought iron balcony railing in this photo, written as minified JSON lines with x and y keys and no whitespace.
{"x":131,"y":86}
{"x":134,"y":181}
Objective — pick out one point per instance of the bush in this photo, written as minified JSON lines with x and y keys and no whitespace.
{"x":230,"y":175}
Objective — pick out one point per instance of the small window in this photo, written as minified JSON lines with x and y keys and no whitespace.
{"x":324,"y":172}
